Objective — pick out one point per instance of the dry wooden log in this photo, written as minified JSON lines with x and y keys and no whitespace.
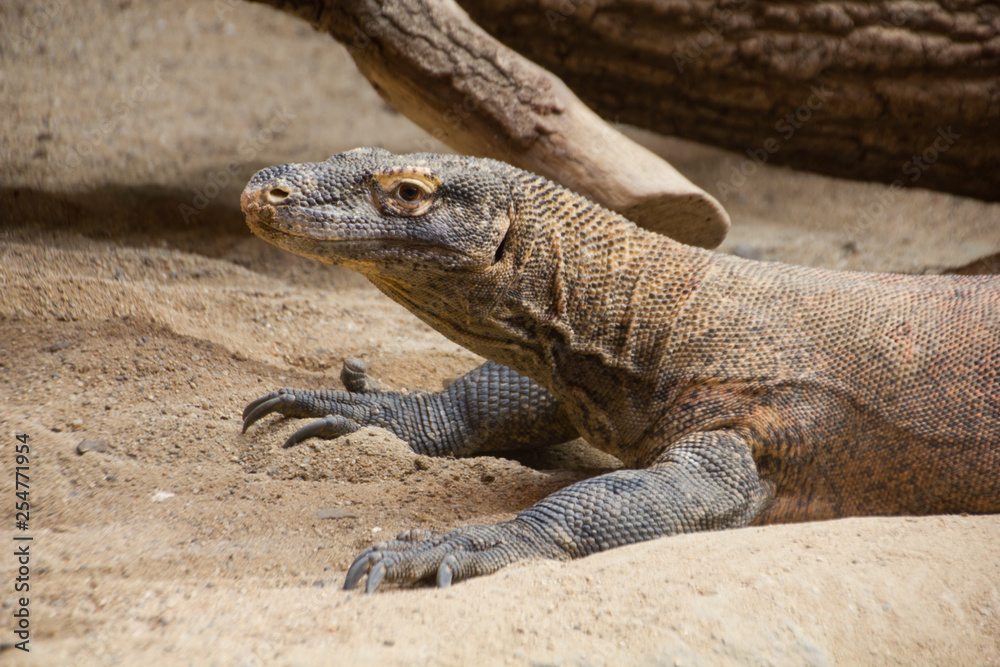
{"x":903,"y":91}
{"x":433,"y":64}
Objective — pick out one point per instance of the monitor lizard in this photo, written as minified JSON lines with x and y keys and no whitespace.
{"x":735,"y":392}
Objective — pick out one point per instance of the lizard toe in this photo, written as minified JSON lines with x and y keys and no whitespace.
{"x":264,"y":406}
{"x":354,"y":375}
{"x":375,"y":577}
{"x":361,"y":566}
{"x":446,"y":571}
{"x":252,"y":405}
{"x":328,"y":428}
{"x":417,"y":535}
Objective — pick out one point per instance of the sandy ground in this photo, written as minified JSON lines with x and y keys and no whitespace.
{"x":137,"y":310}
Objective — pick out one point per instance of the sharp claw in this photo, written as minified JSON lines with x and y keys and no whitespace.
{"x":257,"y":401}
{"x":308,"y":431}
{"x":331,"y":426}
{"x":264,"y":407}
{"x":361,"y":565}
{"x":375,"y":577}
{"x":445,"y":572}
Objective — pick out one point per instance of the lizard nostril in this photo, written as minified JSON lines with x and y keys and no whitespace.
{"x":277,"y":195}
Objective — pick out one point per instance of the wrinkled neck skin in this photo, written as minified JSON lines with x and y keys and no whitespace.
{"x":566,"y":306}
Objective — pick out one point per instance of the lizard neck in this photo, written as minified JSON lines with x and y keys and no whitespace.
{"x":589,"y":316}
{"x":581,"y":290}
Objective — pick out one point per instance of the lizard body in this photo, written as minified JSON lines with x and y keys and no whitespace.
{"x":735,"y":391}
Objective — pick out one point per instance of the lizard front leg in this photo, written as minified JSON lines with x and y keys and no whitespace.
{"x":706,"y":481}
{"x":490,"y":409}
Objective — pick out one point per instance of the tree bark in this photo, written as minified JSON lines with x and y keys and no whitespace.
{"x":432,"y":63}
{"x":904,"y":92}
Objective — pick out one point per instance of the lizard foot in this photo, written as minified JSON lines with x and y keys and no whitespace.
{"x":305,"y":403}
{"x":461,"y":553}
{"x":340,"y":412}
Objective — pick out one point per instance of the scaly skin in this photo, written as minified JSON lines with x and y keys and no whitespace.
{"x":737,"y":392}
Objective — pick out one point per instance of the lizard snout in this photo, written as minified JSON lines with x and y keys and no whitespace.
{"x":255,"y":199}
{"x":248,"y":198}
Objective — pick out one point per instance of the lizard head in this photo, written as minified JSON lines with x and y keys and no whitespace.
{"x":475,"y":248}
{"x":385,"y":215}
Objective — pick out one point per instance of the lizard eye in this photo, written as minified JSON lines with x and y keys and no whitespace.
{"x":410,"y":194}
